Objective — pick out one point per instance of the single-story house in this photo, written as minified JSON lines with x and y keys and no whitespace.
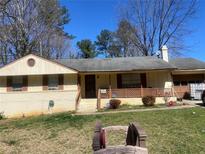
{"x":34,"y":85}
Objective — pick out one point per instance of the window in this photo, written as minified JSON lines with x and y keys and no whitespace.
{"x":17,"y":83}
{"x":53,"y":82}
{"x":131,"y":80}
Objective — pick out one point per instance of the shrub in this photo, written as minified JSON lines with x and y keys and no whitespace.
{"x":187,"y":95}
{"x":148,"y":100}
{"x":171,"y":103}
{"x":114,"y":103}
{"x":2,"y":115}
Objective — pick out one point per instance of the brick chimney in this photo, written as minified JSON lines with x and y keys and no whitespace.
{"x":164,"y":52}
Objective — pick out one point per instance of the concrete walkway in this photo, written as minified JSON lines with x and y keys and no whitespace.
{"x":194,"y":103}
{"x":137,"y":110}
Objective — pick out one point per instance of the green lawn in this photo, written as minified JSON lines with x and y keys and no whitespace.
{"x":170,"y":131}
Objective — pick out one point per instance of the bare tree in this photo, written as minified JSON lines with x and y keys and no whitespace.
{"x":32,"y":26}
{"x":159,"y":22}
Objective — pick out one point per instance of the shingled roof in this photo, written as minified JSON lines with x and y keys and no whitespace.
{"x":187,"y":63}
{"x":117,"y":64}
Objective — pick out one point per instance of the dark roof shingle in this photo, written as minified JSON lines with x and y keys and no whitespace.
{"x":117,"y":64}
{"x":187,"y":63}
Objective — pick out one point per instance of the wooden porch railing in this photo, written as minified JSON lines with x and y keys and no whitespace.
{"x":133,"y":93}
{"x":181,"y":91}
{"x":178,"y":91}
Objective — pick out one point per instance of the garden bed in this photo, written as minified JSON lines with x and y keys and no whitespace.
{"x":136,"y":107}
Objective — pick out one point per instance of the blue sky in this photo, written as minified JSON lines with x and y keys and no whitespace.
{"x":89,"y":17}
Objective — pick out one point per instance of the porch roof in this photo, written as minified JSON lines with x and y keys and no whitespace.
{"x":117,"y":64}
{"x":187,"y":63}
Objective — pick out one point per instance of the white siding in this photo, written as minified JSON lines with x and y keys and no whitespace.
{"x":70,"y":82}
{"x":35,"y":83}
{"x":35,"y":100}
{"x":42,"y":66}
{"x":15,"y":104}
{"x":160,"y":79}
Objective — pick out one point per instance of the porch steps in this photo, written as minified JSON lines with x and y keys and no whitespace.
{"x":87,"y":105}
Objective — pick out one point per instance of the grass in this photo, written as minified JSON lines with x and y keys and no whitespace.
{"x":170,"y":131}
{"x":10,"y":142}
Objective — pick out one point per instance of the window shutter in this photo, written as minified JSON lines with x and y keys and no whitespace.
{"x":9,"y":83}
{"x":143,"y":80}
{"x":119,"y":81}
{"x":25,"y":83}
{"x":45,"y":82}
{"x":60,"y":81}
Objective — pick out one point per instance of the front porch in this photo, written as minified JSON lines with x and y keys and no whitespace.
{"x":97,"y":89}
{"x":151,"y":80}
{"x":128,"y":96}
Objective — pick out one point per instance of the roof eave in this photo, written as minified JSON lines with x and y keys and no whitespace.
{"x":114,"y":71}
{"x":181,"y":70}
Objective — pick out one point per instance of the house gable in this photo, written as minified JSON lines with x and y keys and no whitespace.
{"x":34,"y":65}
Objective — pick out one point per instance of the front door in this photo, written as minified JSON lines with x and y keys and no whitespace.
{"x":90,"y":90}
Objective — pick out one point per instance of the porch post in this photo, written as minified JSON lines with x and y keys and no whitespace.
{"x":141,"y":91}
{"x":98,"y":99}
